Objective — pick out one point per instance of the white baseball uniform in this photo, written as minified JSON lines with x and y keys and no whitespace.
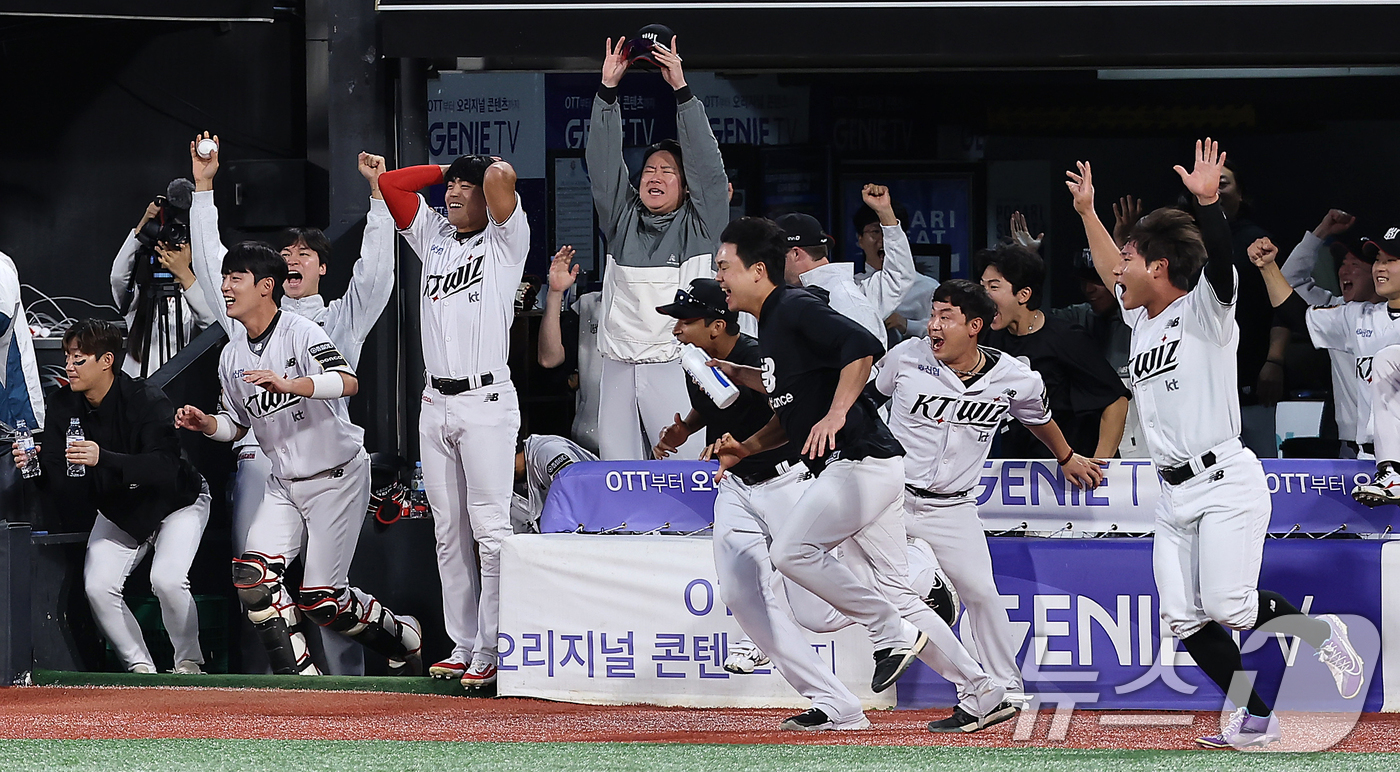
{"x":466,"y":439}
{"x":1360,"y":330}
{"x":1209,"y":536}
{"x":546,"y":455}
{"x":347,"y":321}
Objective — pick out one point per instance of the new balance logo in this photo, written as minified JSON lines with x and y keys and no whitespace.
{"x":1156,"y":361}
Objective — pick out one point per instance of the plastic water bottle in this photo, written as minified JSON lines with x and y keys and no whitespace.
{"x":25,"y":440}
{"x":75,"y":434}
{"x":419,"y":497}
{"x":713,"y":382}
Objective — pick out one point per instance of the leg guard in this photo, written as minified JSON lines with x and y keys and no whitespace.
{"x":258,"y":580}
{"x":363,"y":618}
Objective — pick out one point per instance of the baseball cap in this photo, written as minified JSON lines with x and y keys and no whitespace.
{"x":705,"y":298}
{"x":1388,"y":243}
{"x":639,"y":47}
{"x":1340,"y":248}
{"x":802,"y":230}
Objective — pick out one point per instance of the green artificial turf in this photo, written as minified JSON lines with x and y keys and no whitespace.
{"x":406,"y":685}
{"x":388,"y":756}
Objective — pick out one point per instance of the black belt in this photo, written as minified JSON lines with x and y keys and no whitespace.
{"x":924,"y":493}
{"x":1176,"y":475}
{"x":451,"y":386}
{"x":1369,"y":447}
{"x":767,"y":473}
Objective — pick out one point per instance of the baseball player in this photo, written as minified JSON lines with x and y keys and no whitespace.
{"x":808,"y":265}
{"x":890,"y":278}
{"x":948,"y":396}
{"x":1364,"y":330}
{"x":815,"y":365}
{"x":1357,"y":284}
{"x":472,"y":263}
{"x":347,"y":320}
{"x":539,"y":460}
{"x":1176,"y":281}
{"x":282,"y":375}
{"x":659,"y":235}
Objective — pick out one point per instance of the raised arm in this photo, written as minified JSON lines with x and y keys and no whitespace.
{"x":206,"y":250}
{"x":561,"y":278}
{"x":607,"y":171}
{"x":498,"y":183}
{"x":895,"y":279}
{"x":372,"y":277}
{"x":400,"y":190}
{"x":125,"y":261}
{"x":1204,"y":183}
{"x":1102,"y":248}
{"x":1298,"y":268}
{"x":704,"y":165}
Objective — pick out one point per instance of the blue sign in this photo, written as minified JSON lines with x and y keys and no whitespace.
{"x":631,"y":497}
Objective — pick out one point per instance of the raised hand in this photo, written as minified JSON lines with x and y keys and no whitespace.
{"x":1334,"y":223}
{"x":1204,"y":179}
{"x":561,"y":276}
{"x":204,"y":168}
{"x":1021,"y":233}
{"x":1262,"y":252}
{"x":152,"y":212}
{"x":877,"y":197}
{"x":1081,"y":187}
{"x":669,"y":59}
{"x":614,"y":62}
{"x":1126,"y":214}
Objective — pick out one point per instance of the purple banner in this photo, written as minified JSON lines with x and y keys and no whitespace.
{"x":631,"y":497}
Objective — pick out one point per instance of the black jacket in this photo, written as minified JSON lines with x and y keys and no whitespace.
{"x":141,"y":475}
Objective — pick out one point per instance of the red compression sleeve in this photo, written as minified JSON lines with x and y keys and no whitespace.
{"x":400,"y":190}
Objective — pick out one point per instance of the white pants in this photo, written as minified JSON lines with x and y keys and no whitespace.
{"x":343,"y":656}
{"x":467,"y":442}
{"x":746,"y":576}
{"x":638,"y":402}
{"x":858,"y":505}
{"x":954,"y":531}
{"x":1209,"y":543}
{"x":1385,"y":403}
{"x":112,"y":554}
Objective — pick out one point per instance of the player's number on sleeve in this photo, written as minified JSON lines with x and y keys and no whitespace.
{"x":769,"y":382}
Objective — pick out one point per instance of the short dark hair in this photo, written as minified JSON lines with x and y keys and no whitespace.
{"x":314,"y":239}
{"x":731,"y":322}
{"x":470,"y":169}
{"x":670,"y":146}
{"x":969,"y":297}
{"x":865,"y":215}
{"x":95,"y":337}
{"x":1021,"y":266}
{"x":259,"y":259}
{"x":1172,"y":235}
{"x":817,"y":251}
{"x":758,"y":240}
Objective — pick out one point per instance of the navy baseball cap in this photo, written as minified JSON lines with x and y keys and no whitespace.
{"x":1388,"y":243}
{"x":802,"y":230}
{"x":640,"y":47}
{"x":704,"y":299}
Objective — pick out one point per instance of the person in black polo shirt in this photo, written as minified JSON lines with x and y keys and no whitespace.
{"x":768,"y":481}
{"x":147,"y":494}
{"x":815,"y":364}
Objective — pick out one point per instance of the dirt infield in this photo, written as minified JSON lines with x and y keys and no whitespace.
{"x":122,"y":713}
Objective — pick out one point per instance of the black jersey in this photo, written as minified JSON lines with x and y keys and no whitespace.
{"x":804,"y":345}
{"x":748,"y":414}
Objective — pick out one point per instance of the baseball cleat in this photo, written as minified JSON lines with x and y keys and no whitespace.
{"x":481,"y":674}
{"x":816,"y":720}
{"x":411,"y":634}
{"x":1348,"y":670}
{"x":943,"y":599}
{"x":962,"y":721}
{"x":1244,"y":731}
{"x":1385,"y":489}
{"x":142,"y":668}
{"x":890,"y":664}
{"x":187,"y":667}
{"x":448,"y":669}
{"x":744,"y":657}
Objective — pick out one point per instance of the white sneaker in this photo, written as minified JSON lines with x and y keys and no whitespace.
{"x":1385,"y":489}
{"x":187,"y":667}
{"x":1243,"y":731}
{"x":481,"y":673}
{"x":743,"y":657}
{"x":142,"y":668}
{"x":1348,"y":670}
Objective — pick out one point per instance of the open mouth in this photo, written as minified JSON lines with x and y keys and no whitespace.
{"x":936,"y":341}
{"x":454,"y":205}
{"x":1347,"y":285}
{"x":228,"y":301}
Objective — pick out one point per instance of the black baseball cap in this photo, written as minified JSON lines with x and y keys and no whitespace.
{"x":704,"y":299}
{"x":1388,"y":243}
{"x":640,"y":46}
{"x":802,"y":230}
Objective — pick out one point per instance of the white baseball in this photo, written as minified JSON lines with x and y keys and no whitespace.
{"x":206,"y":147}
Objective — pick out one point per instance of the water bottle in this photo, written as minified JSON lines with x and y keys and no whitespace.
{"x":713,"y":382}
{"x":75,"y":434}
{"x":419,"y":496}
{"x":25,"y":440}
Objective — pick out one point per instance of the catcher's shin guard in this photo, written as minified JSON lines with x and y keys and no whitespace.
{"x":258,"y":579}
{"x":360,"y":616}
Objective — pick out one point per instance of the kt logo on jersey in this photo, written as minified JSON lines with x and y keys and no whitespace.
{"x":439,"y":286}
{"x":968,"y":412}
{"x":264,"y":403}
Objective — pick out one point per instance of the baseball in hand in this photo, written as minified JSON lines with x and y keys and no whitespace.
{"x":206,"y":148}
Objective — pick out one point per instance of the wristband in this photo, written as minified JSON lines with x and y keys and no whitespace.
{"x":224,"y":431}
{"x":1067,"y":458}
{"x":327,"y":386}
